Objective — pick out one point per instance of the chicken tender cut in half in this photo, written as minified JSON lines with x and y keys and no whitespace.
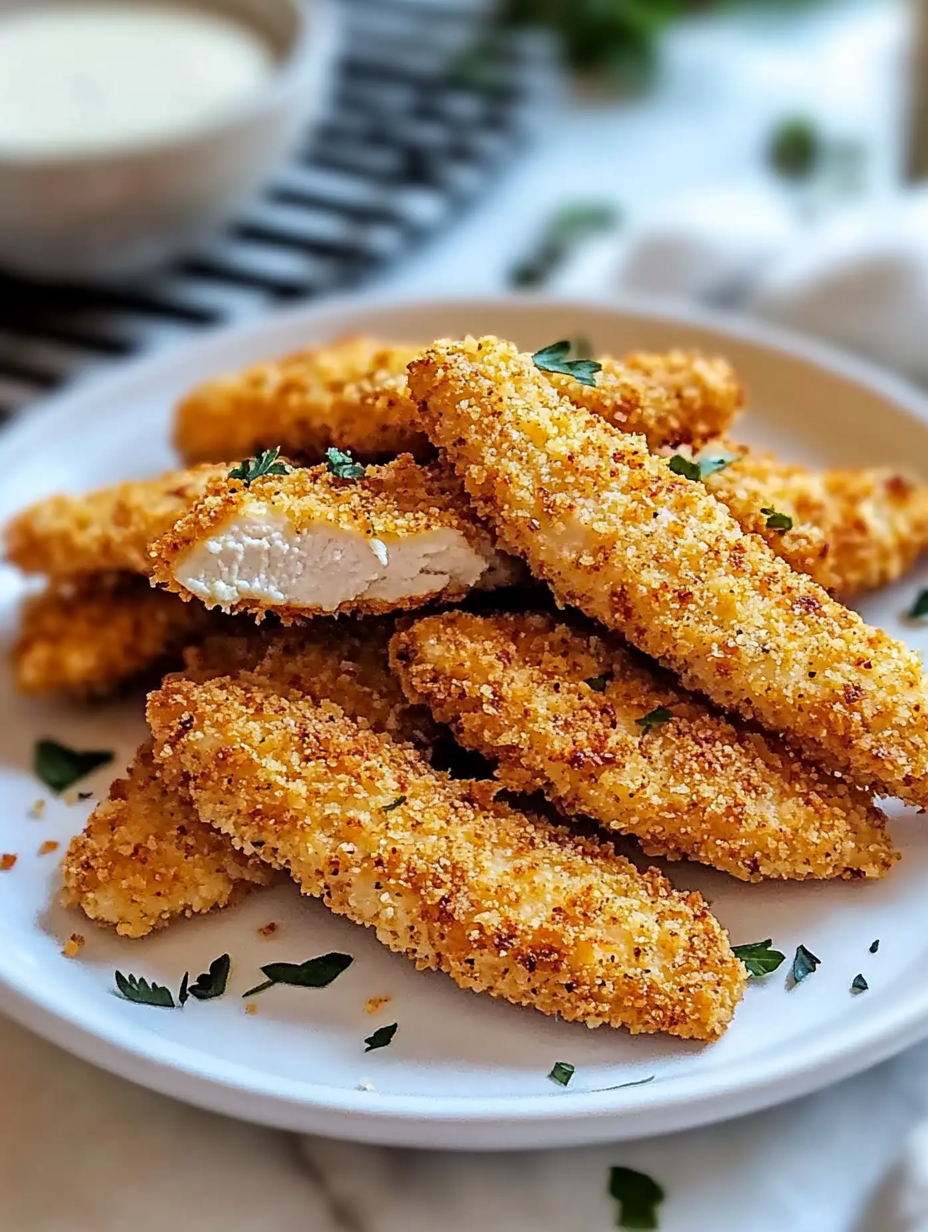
{"x":872,"y":522}
{"x":308,"y":543}
{"x":671,"y":398}
{"x":105,"y":531}
{"x":602,"y":733}
{"x":96,"y":636}
{"x":658,"y":558}
{"x":502,"y":902}
{"x":350,"y":394}
{"x":145,"y":858}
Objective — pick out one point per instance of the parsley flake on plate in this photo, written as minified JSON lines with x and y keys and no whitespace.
{"x":638,"y":1197}
{"x":212,"y":983}
{"x":142,"y":993}
{"x":397,"y":803}
{"x":654,"y":719}
{"x":637,"y":1082}
{"x":183,"y":993}
{"x":342,"y":465}
{"x":776,"y":520}
{"x":60,"y":767}
{"x":314,"y":973}
{"x":859,"y":984}
{"x":381,"y":1037}
{"x":264,"y":464}
{"x":597,"y":683}
{"x":920,"y":607}
{"x":554,"y":358}
{"x":562,"y":1072}
{"x":758,"y":957}
{"x":874,"y":946}
{"x":804,"y":963}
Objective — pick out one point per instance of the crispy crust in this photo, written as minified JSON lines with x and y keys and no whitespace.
{"x":350,"y":394}
{"x":502,"y":902}
{"x":677,"y":397}
{"x":397,"y":501}
{"x":96,"y":637}
{"x":698,"y":786}
{"x":658,"y":558}
{"x":105,"y":531}
{"x":145,"y":858}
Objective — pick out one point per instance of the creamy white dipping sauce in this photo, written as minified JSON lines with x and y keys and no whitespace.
{"x":90,"y":75}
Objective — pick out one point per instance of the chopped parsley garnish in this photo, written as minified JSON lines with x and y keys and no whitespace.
{"x":597,"y":683}
{"x":562,"y":1072}
{"x":638,"y":1197}
{"x":342,"y":465}
{"x":804,"y":963}
{"x":758,"y":957}
{"x":400,"y":800}
{"x":776,"y":520}
{"x":314,"y":973}
{"x":183,"y":993}
{"x":874,"y":946}
{"x":920,"y":607}
{"x":381,"y":1037}
{"x":212,"y":983}
{"x":699,"y":468}
{"x":715,"y":463}
{"x":264,"y":464}
{"x":554,"y":358}
{"x":60,"y":767}
{"x":140,"y":991}
{"x":654,"y":719}
{"x":859,"y":984}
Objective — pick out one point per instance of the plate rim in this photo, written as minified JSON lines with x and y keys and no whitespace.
{"x":515,"y":1121}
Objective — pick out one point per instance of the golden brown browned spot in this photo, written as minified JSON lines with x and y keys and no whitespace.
{"x":561,"y":709}
{"x":500,"y":901}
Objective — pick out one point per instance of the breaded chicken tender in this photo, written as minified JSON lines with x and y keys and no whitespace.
{"x":94,"y":637}
{"x":105,"y":531}
{"x":564,"y":711}
{"x":350,"y":394}
{"x":145,"y":858}
{"x":677,"y":397}
{"x":872,"y":523}
{"x":656,"y":557}
{"x":308,"y":543}
{"x":459,"y":882}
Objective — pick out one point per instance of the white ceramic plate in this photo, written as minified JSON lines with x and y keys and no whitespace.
{"x":464,"y":1070}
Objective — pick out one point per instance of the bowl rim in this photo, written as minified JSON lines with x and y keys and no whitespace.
{"x":313,"y":47}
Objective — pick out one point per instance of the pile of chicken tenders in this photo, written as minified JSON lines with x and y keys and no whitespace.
{"x":376,"y":553}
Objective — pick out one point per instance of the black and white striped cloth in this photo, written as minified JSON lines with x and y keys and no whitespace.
{"x":426,"y":109}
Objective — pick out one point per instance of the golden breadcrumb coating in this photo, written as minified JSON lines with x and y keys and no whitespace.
{"x":560,"y":707}
{"x":677,"y":397}
{"x":350,"y":394}
{"x":145,"y":858}
{"x":873,"y":523}
{"x":659,"y":559}
{"x":392,"y":505}
{"x":94,"y":637}
{"x":502,"y":902}
{"x":105,"y":531}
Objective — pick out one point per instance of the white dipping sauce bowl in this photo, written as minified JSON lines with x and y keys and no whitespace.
{"x":120,"y":211}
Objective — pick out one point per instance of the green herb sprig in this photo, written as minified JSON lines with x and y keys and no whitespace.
{"x":382,"y":1037}
{"x":562,"y":1072}
{"x":554,"y":358}
{"x":342,"y":465}
{"x":314,"y":973}
{"x":654,"y":719}
{"x":776,"y":520}
{"x":758,"y":957}
{"x":212,"y":983}
{"x":698,"y":469}
{"x":136,"y":989}
{"x":60,"y":767}
{"x":265,"y":463}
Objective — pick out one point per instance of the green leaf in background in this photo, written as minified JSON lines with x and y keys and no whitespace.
{"x":758,"y":957}
{"x":255,"y":468}
{"x":314,"y":973}
{"x":562,"y":1072}
{"x":795,"y":148}
{"x":565,"y":230}
{"x":60,"y":767}
{"x":382,"y":1037}
{"x":142,"y":993}
{"x":638,"y":1197}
